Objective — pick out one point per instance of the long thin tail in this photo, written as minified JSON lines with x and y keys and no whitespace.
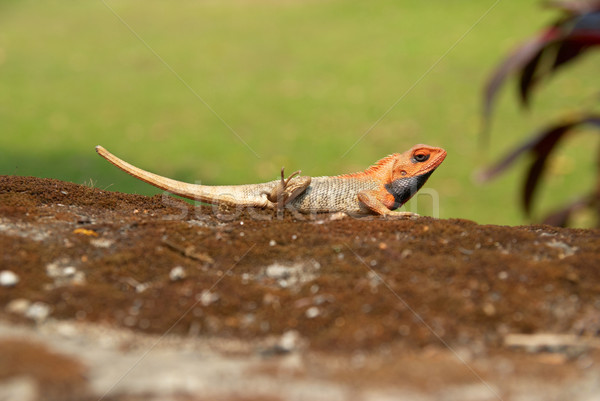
{"x":232,"y":195}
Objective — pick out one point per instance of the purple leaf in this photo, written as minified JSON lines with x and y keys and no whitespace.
{"x":519,"y":58}
{"x":528,"y":76}
{"x":544,"y":145}
{"x":566,"y":39}
{"x":542,"y":148}
{"x":541,"y":145}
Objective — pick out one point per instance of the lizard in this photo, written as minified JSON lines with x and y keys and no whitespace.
{"x":378,"y":190}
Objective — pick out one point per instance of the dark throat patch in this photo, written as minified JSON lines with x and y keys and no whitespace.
{"x":404,"y":188}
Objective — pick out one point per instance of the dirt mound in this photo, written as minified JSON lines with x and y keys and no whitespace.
{"x":373,"y":289}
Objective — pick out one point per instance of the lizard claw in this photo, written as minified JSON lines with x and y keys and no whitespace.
{"x":285,"y":182}
{"x":286,"y":190}
{"x":400,"y":215}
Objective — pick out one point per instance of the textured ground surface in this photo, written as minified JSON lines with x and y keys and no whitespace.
{"x":122,"y":297}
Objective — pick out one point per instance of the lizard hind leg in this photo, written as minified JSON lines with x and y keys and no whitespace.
{"x":288,"y":189}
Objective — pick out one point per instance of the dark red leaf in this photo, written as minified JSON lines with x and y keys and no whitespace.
{"x":584,"y":34}
{"x":519,"y":58}
{"x":539,"y":141}
{"x":541,"y":145}
{"x":491,"y":172}
{"x":586,"y":37}
{"x":568,"y":37}
{"x":544,"y":146}
{"x":567,"y":51}
{"x":528,"y":76}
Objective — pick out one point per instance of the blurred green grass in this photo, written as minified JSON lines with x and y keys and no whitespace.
{"x":299,"y":82}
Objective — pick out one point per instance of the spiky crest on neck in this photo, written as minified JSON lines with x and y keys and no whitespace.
{"x":375,"y":169}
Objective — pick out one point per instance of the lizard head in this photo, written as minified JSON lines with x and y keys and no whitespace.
{"x":410,"y":170}
{"x":418,"y":160}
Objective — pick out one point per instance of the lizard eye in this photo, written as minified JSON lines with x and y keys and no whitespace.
{"x":420,"y":157}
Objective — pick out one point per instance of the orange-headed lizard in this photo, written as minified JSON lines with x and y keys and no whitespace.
{"x":378,"y":190}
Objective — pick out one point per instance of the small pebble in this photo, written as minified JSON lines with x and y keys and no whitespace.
{"x":289,"y":341}
{"x":141,"y":287}
{"x":8,"y":278}
{"x":18,"y":306}
{"x":102,"y":242}
{"x":312,"y":312}
{"x":68,"y":275}
{"x":206,"y":297}
{"x":38,"y":311}
{"x":277,"y":271}
{"x":69,"y":271}
{"x":272,"y":243}
{"x":177,"y":273}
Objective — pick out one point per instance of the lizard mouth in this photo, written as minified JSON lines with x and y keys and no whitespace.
{"x":432,"y":165}
{"x":403,"y":189}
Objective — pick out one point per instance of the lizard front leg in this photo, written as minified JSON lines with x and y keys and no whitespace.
{"x":373,"y":202}
{"x":287,"y":189}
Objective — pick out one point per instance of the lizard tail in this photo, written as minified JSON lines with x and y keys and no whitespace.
{"x":202,"y":193}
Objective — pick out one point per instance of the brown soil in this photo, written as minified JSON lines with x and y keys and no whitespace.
{"x":421,"y":304}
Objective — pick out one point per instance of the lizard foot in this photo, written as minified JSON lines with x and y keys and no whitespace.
{"x":400,"y":215}
{"x":287,"y":189}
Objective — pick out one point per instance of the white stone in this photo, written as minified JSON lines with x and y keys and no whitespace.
{"x":312,"y":312}
{"x":177,"y":273}
{"x":289,"y":340}
{"x":102,"y":242}
{"x":38,"y":311}
{"x":69,"y":271}
{"x":53,"y":270}
{"x":206,"y":297}
{"x":18,"y":306}
{"x":67,"y":275}
{"x":277,"y":271}
{"x":8,"y":278}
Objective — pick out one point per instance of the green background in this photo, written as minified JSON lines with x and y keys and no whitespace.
{"x":226,"y":92}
